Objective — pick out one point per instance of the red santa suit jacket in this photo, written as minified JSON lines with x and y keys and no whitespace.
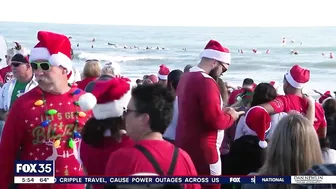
{"x":24,"y":129}
{"x":201,"y":121}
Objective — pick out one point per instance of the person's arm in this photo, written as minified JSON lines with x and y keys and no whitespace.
{"x":321,"y":94}
{"x":210,"y":103}
{"x":275,"y":106}
{"x":310,"y":113}
{"x":12,"y":136}
{"x":322,"y":130}
{"x":239,"y":129}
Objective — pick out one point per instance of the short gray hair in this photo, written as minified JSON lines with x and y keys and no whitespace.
{"x":111,"y":68}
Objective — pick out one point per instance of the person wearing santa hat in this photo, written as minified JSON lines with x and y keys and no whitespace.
{"x":323,"y":96}
{"x":294,"y":100}
{"x":105,"y":131}
{"x":246,"y":153}
{"x":163,"y":74}
{"x":202,"y":118}
{"x":51,"y":125}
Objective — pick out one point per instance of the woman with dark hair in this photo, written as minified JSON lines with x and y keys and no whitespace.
{"x":329,"y":106}
{"x":263,"y":93}
{"x":328,"y":154}
{"x":246,"y":155}
{"x":173,"y":80}
{"x":105,"y":131}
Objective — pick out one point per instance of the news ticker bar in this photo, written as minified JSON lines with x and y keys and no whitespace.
{"x":177,"y":180}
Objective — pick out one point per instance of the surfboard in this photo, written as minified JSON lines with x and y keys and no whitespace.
{"x":3,"y":51}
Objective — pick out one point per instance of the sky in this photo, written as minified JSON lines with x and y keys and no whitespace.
{"x":173,"y":12}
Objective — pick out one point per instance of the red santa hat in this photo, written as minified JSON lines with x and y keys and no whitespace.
{"x":258,"y":120}
{"x":55,"y":48}
{"x":327,"y":95}
{"x":214,"y":50}
{"x":108,"y":98}
{"x":275,"y":84}
{"x":297,"y":77}
{"x":163,"y":72}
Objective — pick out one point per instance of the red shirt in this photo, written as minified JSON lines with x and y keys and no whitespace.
{"x":82,"y":84}
{"x":24,"y":129}
{"x":128,"y":161}
{"x":233,"y":96}
{"x":201,"y":121}
{"x":286,"y":103}
{"x":6,"y":74}
{"x":100,"y":155}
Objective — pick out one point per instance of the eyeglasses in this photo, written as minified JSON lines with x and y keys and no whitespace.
{"x":16,"y":64}
{"x":42,"y":65}
{"x":224,"y":66}
{"x":129,"y":111}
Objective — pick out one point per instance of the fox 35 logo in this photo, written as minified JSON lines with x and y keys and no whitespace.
{"x":235,"y":179}
{"x":33,"y":168}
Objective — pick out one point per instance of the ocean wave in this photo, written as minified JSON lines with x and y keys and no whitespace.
{"x":107,"y":57}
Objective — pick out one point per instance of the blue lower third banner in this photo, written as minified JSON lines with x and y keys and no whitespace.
{"x":176,"y":180}
{"x":155,"y":180}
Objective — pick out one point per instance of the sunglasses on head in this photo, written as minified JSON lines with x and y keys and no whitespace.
{"x":96,"y":60}
{"x":16,"y":64}
{"x":42,"y":65}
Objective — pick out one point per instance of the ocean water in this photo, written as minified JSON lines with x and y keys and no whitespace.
{"x":261,"y":67}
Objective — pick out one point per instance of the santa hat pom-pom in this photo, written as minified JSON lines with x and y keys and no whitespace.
{"x":122,"y":132}
{"x":263,"y":144}
{"x":87,"y":101}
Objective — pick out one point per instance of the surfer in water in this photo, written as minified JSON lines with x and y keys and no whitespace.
{"x":283,"y":40}
{"x":268,"y":51}
{"x":93,"y":39}
{"x":331,"y":55}
{"x":254,"y":51}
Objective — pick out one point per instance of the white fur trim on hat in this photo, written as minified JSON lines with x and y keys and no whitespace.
{"x":325,"y":100}
{"x":87,"y":101}
{"x":112,"y":109}
{"x":292,"y":81}
{"x":58,"y":59}
{"x":162,"y":77}
{"x":262,"y":144}
{"x":39,"y":53}
{"x":217,"y":55}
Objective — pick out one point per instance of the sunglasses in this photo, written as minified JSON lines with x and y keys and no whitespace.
{"x":42,"y":65}
{"x":16,"y":64}
{"x":90,"y":60}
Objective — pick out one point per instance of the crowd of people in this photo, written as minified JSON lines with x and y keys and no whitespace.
{"x":174,"y":123}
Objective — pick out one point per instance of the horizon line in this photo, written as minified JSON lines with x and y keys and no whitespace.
{"x":132,"y":25}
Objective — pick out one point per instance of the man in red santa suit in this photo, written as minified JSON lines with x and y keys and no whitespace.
{"x":294,"y":99}
{"x":202,"y":119}
{"x":49,"y":128}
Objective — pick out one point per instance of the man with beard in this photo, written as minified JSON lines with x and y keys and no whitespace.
{"x":50,"y":126}
{"x":202,"y":118}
